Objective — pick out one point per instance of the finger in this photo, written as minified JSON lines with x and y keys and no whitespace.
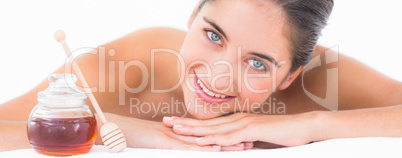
{"x":248,"y":145}
{"x":194,"y":147}
{"x":170,"y":121}
{"x":237,"y":147}
{"x":187,"y":139}
{"x":209,"y":130}
{"x":166,"y":141}
{"x":227,"y":139}
{"x":190,"y":146}
{"x":167,"y":121}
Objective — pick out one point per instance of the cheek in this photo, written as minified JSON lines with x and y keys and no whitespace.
{"x":258,"y":85}
{"x":192,"y":49}
{"x":254,"y":92}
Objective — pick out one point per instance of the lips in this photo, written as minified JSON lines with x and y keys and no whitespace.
{"x":208,"y":95}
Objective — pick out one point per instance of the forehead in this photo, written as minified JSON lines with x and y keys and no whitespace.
{"x":253,"y":25}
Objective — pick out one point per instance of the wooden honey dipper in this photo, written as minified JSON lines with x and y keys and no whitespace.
{"x":110,"y":133}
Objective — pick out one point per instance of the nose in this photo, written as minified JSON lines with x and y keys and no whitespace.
{"x":222,"y":76}
{"x":224,"y":72}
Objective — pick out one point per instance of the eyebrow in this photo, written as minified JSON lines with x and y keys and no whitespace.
{"x":213,"y":24}
{"x":216,"y":26}
{"x":272,"y":60}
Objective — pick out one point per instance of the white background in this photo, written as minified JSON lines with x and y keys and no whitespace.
{"x":367,"y":30}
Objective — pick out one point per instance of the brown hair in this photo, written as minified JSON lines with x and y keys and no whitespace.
{"x":306,"y":19}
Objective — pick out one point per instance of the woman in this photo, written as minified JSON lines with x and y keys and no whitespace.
{"x":238,"y":59}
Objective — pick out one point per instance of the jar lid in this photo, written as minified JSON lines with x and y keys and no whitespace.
{"x":62,"y":89}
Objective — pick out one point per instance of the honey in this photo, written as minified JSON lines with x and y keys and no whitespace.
{"x":62,"y":137}
{"x":61,"y":124}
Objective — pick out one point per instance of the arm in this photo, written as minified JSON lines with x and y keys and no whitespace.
{"x":139,"y":133}
{"x":292,"y":130}
{"x":149,"y":134}
{"x":13,"y":135}
{"x":374,"y":122}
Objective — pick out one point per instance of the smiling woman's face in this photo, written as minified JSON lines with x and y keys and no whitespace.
{"x":236,"y":53}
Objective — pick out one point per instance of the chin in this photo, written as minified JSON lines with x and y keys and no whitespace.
{"x":199,"y":109}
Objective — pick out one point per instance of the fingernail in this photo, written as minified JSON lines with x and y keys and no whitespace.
{"x":216,"y":146}
{"x":198,"y":139}
{"x":248,"y":143}
{"x":177,"y":126}
{"x":240,"y":144}
{"x":168,"y":118}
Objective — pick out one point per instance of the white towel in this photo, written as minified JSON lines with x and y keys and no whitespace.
{"x":339,"y":148}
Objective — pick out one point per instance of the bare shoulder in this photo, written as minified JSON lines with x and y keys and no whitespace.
{"x":353,"y":85}
{"x":142,"y":40}
{"x":106,"y":71}
{"x":167,"y":32}
{"x":361,"y":86}
{"x":128,"y":51}
{"x":157,"y":36}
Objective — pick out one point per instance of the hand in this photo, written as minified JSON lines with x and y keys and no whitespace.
{"x":283,"y":130}
{"x":169,"y":122}
{"x":149,"y":134}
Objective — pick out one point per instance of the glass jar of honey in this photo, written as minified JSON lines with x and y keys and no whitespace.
{"x":61,"y":124}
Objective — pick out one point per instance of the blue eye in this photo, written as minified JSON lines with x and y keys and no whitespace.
{"x":214,"y":37}
{"x":257,"y":64}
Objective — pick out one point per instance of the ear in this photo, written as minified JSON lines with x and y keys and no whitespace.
{"x":290,"y":78}
{"x":190,"y":21}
